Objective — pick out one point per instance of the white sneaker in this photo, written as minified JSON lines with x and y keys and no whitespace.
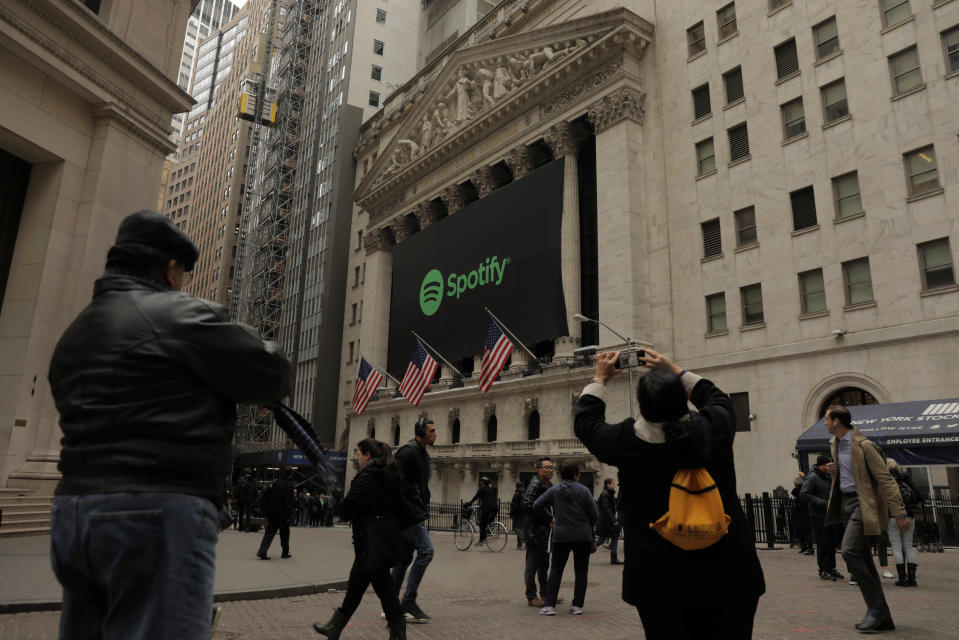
{"x":576,"y":611}
{"x":886,"y":573}
{"x":547,"y":611}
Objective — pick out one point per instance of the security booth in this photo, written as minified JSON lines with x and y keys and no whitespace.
{"x":923,"y":438}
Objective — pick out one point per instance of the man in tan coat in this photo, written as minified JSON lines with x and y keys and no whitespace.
{"x":863,"y":496}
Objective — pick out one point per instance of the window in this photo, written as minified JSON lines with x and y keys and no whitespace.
{"x":455,"y":431}
{"x":950,"y":43}
{"x":726,"y":18}
{"x":712,"y":242}
{"x":738,"y":143}
{"x":701,"y":104}
{"x":803,"y":203}
{"x":733,"y":81}
{"x":894,"y":11}
{"x":826,"y":36}
{"x":396,"y":436}
{"x":491,"y":429}
{"x":746,"y":226}
{"x":705,"y":157}
{"x":845,"y":190}
{"x":376,"y":73}
{"x":356,"y":276}
{"x":380,"y":16}
{"x":378,"y":47}
{"x":741,"y":409}
{"x":353,"y":321}
{"x":812,"y":291}
{"x":858,"y":281}
{"x":359,"y":240}
{"x":794,"y":119}
{"x":921,"y":169}
{"x":935,"y":260}
{"x":532,"y":424}
{"x":752,"y":297}
{"x":716,"y":312}
{"x":374,"y":99}
{"x":787,"y":60}
{"x":352,"y":345}
{"x":834,"y":103}
{"x":696,"y":37}
{"x":904,"y":67}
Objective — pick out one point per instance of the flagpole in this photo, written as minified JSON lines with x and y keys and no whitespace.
{"x":447,"y":362}
{"x":383,"y":371}
{"x":510,"y":333}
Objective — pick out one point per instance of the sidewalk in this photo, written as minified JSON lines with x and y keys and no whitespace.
{"x":321,"y":561}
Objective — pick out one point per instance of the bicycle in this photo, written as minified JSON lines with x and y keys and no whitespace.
{"x":496,"y":532}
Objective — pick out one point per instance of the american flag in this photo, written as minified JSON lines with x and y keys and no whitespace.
{"x":497,"y":350}
{"x":418,"y":375}
{"x":367,"y":380}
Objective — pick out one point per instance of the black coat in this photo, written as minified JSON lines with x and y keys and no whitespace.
{"x":372,"y":507}
{"x":280,"y":504}
{"x":815,"y":493}
{"x":537,"y":528}
{"x":414,"y":463}
{"x":658,"y":572}
{"x":800,"y":511}
{"x":487,"y":499}
{"x":606,"y":503}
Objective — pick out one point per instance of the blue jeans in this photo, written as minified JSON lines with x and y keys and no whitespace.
{"x":419,"y":539}
{"x":134,"y":565}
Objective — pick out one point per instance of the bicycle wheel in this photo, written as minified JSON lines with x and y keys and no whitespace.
{"x":496,"y":536}
{"x":463,"y":536}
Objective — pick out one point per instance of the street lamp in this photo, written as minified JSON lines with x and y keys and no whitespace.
{"x":629,"y":370}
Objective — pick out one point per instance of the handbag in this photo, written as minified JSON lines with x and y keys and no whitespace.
{"x":695,"y":519}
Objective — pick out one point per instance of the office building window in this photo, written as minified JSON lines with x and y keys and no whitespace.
{"x":705,"y":157}
{"x":858,"y":281}
{"x":845,"y":190}
{"x":376,"y":73}
{"x":374,"y":99}
{"x":812,"y":291}
{"x":738,"y":142}
{"x":696,"y":38}
{"x":726,"y":19}
{"x":950,"y":45}
{"x":716,"y":312}
{"x":378,"y":47}
{"x":794,"y":119}
{"x":904,"y":68}
{"x":712,"y":241}
{"x":380,"y":16}
{"x":935,"y":260}
{"x":803,"y":203}
{"x":701,"y":103}
{"x":752,"y":297}
{"x":894,"y":11}
{"x":746,"y":227}
{"x":733,"y":82}
{"x":787,"y":60}
{"x":741,"y":409}
{"x":921,"y":170}
{"x":834,"y":103}
{"x":826,"y":36}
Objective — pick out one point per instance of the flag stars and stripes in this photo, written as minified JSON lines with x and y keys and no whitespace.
{"x":418,"y":376}
{"x":495,"y":353}
{"x":367,"y":381}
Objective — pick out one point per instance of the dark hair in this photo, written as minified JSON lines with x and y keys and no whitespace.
{"x":840,"y":413}
{"x":824,"y":458}
{"x":607,"y":482}
{"x":661,"y":396}
{"x":381,"y":454}
{"x":540,"y":461}
{"x":569,"y":470}
{"x":419,"y":429}
{"x":138,"y":260}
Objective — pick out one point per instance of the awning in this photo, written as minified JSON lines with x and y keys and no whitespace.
{"x":912,"y":433}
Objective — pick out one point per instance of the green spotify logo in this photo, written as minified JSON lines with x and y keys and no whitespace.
{"x":431,"y":292}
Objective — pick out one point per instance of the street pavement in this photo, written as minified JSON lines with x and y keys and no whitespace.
{"x":478,"y":594}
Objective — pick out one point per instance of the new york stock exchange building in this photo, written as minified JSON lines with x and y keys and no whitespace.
{"x":754,"y":189}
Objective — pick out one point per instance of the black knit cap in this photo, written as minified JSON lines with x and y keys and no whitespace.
{"x":823,"y":459}
{"x":150,"y":229}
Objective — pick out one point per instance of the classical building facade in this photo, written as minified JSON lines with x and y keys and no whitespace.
{"x":88,"y":92}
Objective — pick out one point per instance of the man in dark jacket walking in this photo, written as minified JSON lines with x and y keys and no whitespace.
{"x":518,"y":515}
{"x":278,"y":510}
{"x":246,"y":498}
{"x":607,"y":527}
{"x":489,"y":505}
{"x":146,"y":381}
{"x":815,"y":493}
{"x":537,"y":534}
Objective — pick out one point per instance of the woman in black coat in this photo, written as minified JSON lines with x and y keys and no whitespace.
{"x":372,"y":506}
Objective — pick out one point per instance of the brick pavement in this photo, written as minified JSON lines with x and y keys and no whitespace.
{"x":479,"y":595}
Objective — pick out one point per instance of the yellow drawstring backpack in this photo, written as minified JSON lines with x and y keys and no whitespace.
{"x":695,"y":519}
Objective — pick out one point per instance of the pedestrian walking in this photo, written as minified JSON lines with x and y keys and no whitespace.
{"x":574,"y":515}
{"x":800,"y":517}
{"x":276,"y":505}
{"x":329,"y":510}
{"x":372,"y":507}
{"x":145,"y":380}
{"x":537,"y":534}
{"x":518,"y":515}
{"x":608,"y":525}
{"x":864,"y":497}
{"x":903,"y":552}
{"x":488,"y":506}
{"x":246,"y":495}
{"x":414,"y":462}
{"x":679,"y":594}
{"x":815,"y":493}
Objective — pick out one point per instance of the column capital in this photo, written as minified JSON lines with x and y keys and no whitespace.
{"x":483,"y":180}
{"x":426,"y":214}
{"x":565,"y":139}
{"x":519,"y":161}
{"x":453,"y":198}
{"x":626,"y":102}
{"x":376,"y":240}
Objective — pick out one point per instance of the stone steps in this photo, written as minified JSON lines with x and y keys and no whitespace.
{"x":24,"y":513}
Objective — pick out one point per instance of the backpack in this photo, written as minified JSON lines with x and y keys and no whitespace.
{"x":909,"y":497}
{"x":695,"y":519}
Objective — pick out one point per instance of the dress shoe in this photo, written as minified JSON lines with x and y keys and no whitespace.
{"x":262,"y":555}
{"x":536,"y":602}
{"x":876,"y":620}
{"x":287,"y":555}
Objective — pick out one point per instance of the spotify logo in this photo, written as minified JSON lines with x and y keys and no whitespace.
{"x":431,"y":292}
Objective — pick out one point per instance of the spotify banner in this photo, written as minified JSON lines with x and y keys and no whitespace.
{"x":501,"y":252}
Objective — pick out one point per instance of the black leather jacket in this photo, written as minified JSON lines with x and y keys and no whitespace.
{"x":537,"y":529}
{"x":414,"y":462}
{"x":815,"y":493}
{"x":146,"y":380}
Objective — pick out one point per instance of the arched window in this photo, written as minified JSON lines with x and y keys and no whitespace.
{"x":396,"y":436}
{"x":533,"y":426}
{"x":491,"y":429}
{"x":847,"y":397}
{"x":455,"y":431}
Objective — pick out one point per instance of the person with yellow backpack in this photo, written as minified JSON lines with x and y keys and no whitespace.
{"x":691,"y":566}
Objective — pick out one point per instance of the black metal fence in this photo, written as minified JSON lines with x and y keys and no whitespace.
{"x":445,"y":516}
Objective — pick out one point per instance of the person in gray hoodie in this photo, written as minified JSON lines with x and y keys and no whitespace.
{"x":574,"y":515}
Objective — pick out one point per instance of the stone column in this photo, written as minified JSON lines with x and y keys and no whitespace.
{"x":621,"y":225}
{"x":426,"y":214}
{"x":376,"y":295}
{"x":519,"y":161}
{"x":483,"y":181}
{"x":520,"y":360}
{"x":565,"y":140}
{"x":453,"y":198}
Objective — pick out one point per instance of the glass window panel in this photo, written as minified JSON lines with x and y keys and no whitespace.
{"x":827,"y":38}
{"x":727,"y":20}
{"x":895,"y":11}
{"x":696,"y":37}
{"x":923,"y":174}
{"x":716,"y":308}
{"x":746,"y":226}
{"x":752,"y":304}
{"x":813,"y":291}
{"x":950,"y":41}
{"x":858,"y":281}
{"x":706,"y":156}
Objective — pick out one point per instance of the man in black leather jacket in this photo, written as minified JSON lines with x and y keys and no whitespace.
{"x":815,"y":492}
{"x":146,"y":381}
{"x":537,"y":534}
